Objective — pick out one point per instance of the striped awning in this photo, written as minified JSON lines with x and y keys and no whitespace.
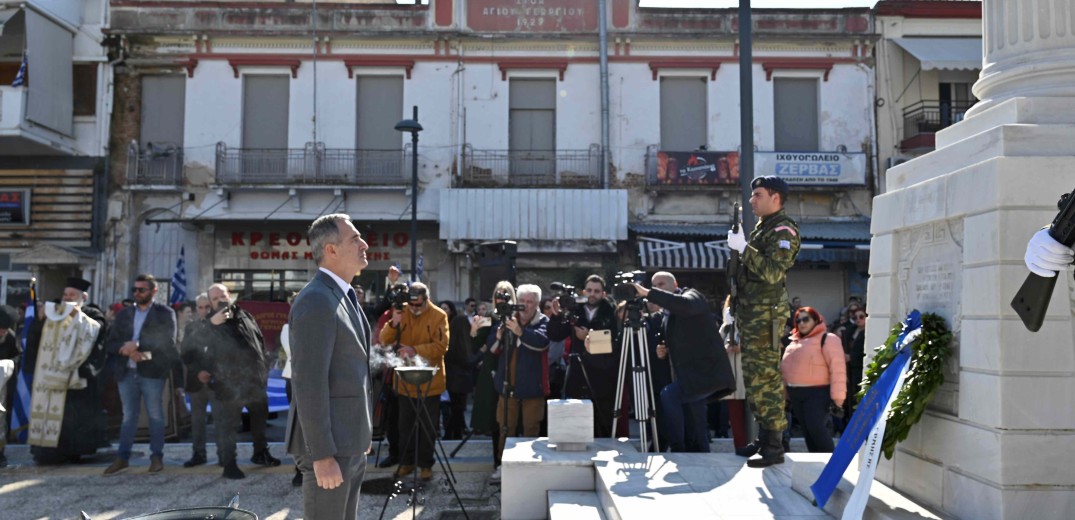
{"x":656,"y":253}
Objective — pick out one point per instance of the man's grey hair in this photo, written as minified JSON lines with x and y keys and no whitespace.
{"x":325,"y":230}
{"x":202,"y":296}
{"x":528,"y":288}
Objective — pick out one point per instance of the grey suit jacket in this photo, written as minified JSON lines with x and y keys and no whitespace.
{"x":331,"y":404}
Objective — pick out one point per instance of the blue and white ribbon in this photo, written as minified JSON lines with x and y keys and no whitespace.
{"x":868,"y":423}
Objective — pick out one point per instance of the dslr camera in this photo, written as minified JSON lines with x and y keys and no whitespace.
{"x":569,"y":300}
{"x":502,"y":306}
{"x":398,"y":295}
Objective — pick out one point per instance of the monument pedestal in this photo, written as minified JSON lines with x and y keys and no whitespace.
{"x":949,"y":238}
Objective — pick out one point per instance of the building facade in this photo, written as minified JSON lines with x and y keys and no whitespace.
{"x":239,"y":123}
{"x":55,"y":103}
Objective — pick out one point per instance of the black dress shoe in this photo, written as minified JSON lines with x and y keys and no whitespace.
{"x":196,"y":460}
{"x":232,"y":471}
{"x":297,"y":479}
{"x":264,"y":458}
{"x":387,"y":462}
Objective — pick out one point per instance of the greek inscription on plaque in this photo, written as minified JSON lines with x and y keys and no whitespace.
{"x":532,"y":15}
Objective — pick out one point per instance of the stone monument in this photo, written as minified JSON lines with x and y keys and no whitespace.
{"x":949,"y":237}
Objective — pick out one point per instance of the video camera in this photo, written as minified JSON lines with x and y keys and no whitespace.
{"x":569,"y":300}
{"x":502,"y":306}
{"x":622,"y":288}
{"x":398,"y":295}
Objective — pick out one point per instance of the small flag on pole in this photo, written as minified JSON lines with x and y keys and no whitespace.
{"x":179,"y":279}
{"x":20,"y":77}
{"x":20,"y":416}
{"x":418,"y":269}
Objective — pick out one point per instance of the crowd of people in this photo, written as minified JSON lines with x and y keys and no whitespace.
{"x":711,"y":369}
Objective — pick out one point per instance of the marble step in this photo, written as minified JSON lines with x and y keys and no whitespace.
{"x":1024,"y":110}
{"x":574,"y":505}
{"x":885,"y":503}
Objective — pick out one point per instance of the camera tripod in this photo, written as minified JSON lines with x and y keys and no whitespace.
{"x":635,"y":348}
{"x":574,"y":359}
{"x":423,"y":423}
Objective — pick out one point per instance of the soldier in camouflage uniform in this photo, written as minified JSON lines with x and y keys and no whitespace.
{"x":762,"y":310}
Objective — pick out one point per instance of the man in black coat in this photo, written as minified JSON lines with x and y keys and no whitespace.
{"x":194,"y":352}
{"x":601,"y":369}
{"x":142,"y":352}
{"x":9,"y":349}
{"x":238,"y":375}
{"x":699,"y":365}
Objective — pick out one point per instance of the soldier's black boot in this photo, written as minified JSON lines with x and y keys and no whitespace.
{"x":772,"y":452}
{"x":750,"y":449}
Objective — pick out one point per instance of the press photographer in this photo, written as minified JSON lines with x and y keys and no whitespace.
{"x":560,"y":308}
{"x":593,"y":376}
{"x":700,"y":368}
{"x":419,"y":329}
{"x":521,"y":345}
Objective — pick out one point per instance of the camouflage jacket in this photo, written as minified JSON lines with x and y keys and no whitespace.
{"x":764,"y":264}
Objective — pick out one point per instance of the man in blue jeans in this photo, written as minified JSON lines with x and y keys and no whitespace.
{"x":142,"y":352}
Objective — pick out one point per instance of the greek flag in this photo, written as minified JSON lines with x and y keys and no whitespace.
{"x":20,"y":77}
{"x":418,"y":268}
{"x":179,"y":279}
{"x":20,"y":413}
{"x":868,"y":426}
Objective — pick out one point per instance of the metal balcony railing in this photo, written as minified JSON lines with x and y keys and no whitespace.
{"x":159,"y":164}
{"x":929,"y":116}
{"x":313,"y":164}
{"x":532,"y":168}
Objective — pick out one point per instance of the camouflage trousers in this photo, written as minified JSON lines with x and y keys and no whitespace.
{"x":760,"y":330}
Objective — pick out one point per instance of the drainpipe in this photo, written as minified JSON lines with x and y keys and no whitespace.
{"x":602,"y":21}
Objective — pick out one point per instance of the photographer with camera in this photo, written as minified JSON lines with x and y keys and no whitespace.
{"x":700,"y":368}
{"x":388,"y":402}
{"x":598,"y":314}
{"x":519,"y":341}
{"x":418,"y":330}
{"x":559,"y":330}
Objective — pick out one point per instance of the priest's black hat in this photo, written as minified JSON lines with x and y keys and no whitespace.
{"x":78,"y":283}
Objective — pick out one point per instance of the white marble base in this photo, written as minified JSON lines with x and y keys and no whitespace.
{"x":883,"y":504}
{"x":949,"y":238}
{"x":530,"y":468}
{"x":574,"y":505}
{"x":570,"y":424}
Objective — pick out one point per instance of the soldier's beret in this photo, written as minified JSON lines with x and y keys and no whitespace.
{"x":771,"y":182}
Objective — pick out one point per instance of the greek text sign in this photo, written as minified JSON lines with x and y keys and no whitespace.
{"x":813,"y":168}
{"x":532,"y":16}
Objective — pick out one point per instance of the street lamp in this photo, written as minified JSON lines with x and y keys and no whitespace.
{"x":412,"y":126}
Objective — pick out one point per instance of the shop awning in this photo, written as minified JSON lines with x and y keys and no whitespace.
{"x":679,"y":230}
{"x":656,"y":253}
{"x":944,"y":53}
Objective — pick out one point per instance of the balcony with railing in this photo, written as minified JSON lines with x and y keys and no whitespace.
{"x":923,"y":119}
{"x":311,"y":165}
{"x":156,"y":165}
{"x":531,"y":168}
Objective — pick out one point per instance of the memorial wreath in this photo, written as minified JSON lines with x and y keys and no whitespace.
{"x":925,"y":373}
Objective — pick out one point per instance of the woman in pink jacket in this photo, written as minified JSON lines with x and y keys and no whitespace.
{"x":815,"y":374}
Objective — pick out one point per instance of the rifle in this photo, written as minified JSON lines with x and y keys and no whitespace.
{"x":733,"y":271}
{"x":1032,"y":301}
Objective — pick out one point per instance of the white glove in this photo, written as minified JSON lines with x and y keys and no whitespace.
{"x":728,"y":315}
{"x":737,"y":241}
{"x":1045,"y":256}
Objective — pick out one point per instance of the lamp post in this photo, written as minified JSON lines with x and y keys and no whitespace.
{"x":412,"y":126}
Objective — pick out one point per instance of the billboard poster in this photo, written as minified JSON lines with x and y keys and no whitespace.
{"x":813,"y":168}
{"x":697,"y":168}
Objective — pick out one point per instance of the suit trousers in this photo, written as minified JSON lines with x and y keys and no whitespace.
{"x":332,"y":504}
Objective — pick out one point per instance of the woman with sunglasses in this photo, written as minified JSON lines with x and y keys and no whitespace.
{"x":815,"y":374}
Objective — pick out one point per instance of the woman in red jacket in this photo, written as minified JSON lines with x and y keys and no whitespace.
{"x":815,"y":374}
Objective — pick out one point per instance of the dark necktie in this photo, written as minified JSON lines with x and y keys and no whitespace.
{"x":354,"y":299}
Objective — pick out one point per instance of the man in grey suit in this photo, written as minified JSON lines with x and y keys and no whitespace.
{"x":329,"y":428}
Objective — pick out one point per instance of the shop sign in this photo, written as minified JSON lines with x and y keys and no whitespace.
{"x":532,"y":16}
{"x":290,"y":249}
{"x":813,"y":168}
{"x":15,"y":207}
{"x":697,"y":168}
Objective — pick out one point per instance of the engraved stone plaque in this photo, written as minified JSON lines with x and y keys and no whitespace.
{"x":931,"y":280}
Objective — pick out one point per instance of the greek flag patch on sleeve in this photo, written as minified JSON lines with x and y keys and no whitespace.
{"x":784,"y":244}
